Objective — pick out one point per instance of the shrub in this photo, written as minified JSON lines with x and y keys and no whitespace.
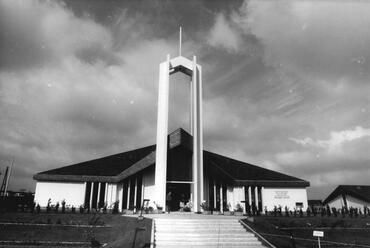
{"x":205,"y":206}
{"x":63,"y":206}
{"x":56,"y":207}
{"x":115,"y":207}
{"x":238,"y":208}
{"x":38,"y":209}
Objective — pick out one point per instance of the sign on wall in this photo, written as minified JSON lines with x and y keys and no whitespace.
{"x":281,"y":194}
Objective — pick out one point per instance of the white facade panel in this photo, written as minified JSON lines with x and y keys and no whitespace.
{"x":351,"y":202}
{"x":236,"y":195}
{"x":149,"y":187}
{"x":355,"y":203}
{"x":337,"y":202}
{"x":72,"y":193}
{"x":119,"y":195}
{"x":111,"y":194}
{"x":283,"y":197}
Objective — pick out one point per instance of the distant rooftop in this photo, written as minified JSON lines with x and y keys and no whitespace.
{"x":361,"y":192}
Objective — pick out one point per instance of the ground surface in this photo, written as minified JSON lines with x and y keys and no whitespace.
{"x":89,"y":229}
{"x":338,"y":232}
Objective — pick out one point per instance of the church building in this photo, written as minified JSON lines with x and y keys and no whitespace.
{"x":175,"y":170}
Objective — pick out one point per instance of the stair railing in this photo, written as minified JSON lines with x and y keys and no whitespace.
{"x":260,"y":238}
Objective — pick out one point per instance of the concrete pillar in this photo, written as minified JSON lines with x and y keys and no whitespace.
{"x":162,"y":132}
{"x":128,"y":194}
{"x":197,"y":130}
{"x":91,"y":194}
{"x":142,"y":191}
{"x":256,"y":196}
{"x":214,"y":195}
{"x":98,"y":196}
{"x":135,"y":195}
{"x":262,"y":189}
{"x":120,"y":196}
{"x":245,"y":199}
{"x":221,"y":200}
{"x":250,"y":196}
{"x":85,"y":185}
{"x":106,"y":194}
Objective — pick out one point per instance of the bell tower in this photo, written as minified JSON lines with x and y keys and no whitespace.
{"x":194,"y":71}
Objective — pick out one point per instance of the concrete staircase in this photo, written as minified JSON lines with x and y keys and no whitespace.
{"x":204,"y":233}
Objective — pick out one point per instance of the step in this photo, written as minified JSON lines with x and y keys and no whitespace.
{"x":196,"y":224}
{"x":205,"y":235}
{"x":229,"y":231}
{"x":214,"y":239}
{"x":209,"y":243}
{"x":202,"y":233}
{"x":194,"y":221}
{"x":209,"y":246}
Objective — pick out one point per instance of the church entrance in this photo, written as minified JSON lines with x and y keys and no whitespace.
{"x":177,"y":196}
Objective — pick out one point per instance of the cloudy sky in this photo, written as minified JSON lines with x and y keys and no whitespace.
{"x":286,"y":84}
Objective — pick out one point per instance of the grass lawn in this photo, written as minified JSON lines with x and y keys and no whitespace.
{"x":278,"y":230}
{"x":115,"y":230}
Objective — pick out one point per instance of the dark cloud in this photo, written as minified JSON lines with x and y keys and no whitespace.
{"x":78,"y":80}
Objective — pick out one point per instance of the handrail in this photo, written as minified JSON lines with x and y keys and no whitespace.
{"x":152,"y":235}
{"x":263,"y":240}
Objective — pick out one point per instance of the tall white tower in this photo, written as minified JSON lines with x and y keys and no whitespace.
{"x":194,"y":71}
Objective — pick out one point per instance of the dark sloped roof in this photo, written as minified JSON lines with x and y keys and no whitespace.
{"x":244,"y":173}
{"x":107,"y":166}
{"x":361,"y":192}
{"x":116,"y":167}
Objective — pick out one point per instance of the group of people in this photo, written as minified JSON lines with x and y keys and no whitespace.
{"x":184,"y":204}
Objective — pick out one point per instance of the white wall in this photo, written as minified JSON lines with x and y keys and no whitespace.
{"x":72,"y":193}
{"x":356,"y":203}
{"x":337,"y":202}
{"x":284,"y":197}
{"x":235,"y":195}
{"x":351,"y":202}
{"x":119,"y":195}
{"x":111,"y":196}
{"x":149,"y":187}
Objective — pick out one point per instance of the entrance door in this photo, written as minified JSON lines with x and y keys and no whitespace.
{"x":176,"y":193}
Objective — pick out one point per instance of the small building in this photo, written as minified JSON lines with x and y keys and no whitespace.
{"x":356,"y":196}
{"x":129,"y":178}
{"x":315,"y":205}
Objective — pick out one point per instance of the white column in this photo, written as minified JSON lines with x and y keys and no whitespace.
{"x":98,"y":196}
{"x":256,"y":196}
{"x":221,"y":200}
{"x":128,"y":193}
{"x":120,"y":196}
{"x":250,"y":195}
{"x":142,"y":190}
{"x":91,"y":194}
{"x":85,"y":185}
{"x":110,"y":194}
{"x":106,"y":194}
{"x":262,"y":189}
{"x":197,"y":136}
{"x":135,"y":195}
{"x":245,"y":200}
{"x":214,"y":195}
{"x":162,"y":132}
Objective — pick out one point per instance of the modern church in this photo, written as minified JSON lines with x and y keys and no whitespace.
{"x":175,"y":169}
